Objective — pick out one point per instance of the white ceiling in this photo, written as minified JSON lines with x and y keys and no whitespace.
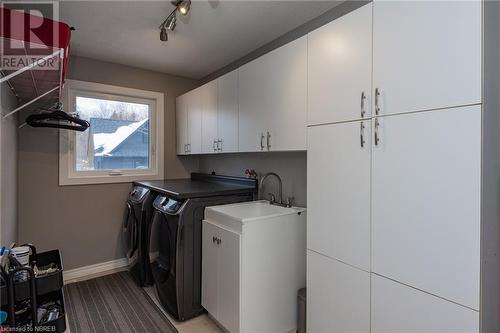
{"x":214,"y":34}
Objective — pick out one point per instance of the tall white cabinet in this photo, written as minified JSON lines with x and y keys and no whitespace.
{"x":339,"y":195}
{"x":339,"y":69}
{"x":426,"y":185}
{"x":426,"y":54}
{"x":394,"y":195}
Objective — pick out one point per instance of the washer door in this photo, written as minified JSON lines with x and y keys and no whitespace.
{"x":129,"y":231}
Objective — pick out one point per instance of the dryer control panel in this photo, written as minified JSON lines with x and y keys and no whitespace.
{"x":167,"y":205}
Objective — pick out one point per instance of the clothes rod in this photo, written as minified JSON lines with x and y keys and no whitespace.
{"x":30,"y":102}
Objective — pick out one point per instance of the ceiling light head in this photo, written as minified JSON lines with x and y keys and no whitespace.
{"x":163,"y":34}
{"x":171,"y":22}
{"x":183,"y":7}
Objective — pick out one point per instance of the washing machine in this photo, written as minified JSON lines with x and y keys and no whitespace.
{"x":138,"y":213}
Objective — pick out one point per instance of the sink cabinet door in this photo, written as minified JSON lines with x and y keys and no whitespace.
{"x":229,"y":280}
{"x":209,"y":269}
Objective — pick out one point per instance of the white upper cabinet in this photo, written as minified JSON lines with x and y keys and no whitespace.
{"x":195,"y":110}
{"x":426,"y":54}
{"x":287,"y":97}
{"x":181,"y":115}
{"x":399,"y":308}
{"x":426,"y":190}
{"x":272,"y":100}
{"x":227,"y":92}
{"x":208,"y":103}
{"x":253,"y":107}
{"x":339,"y":68}
{"x":338,"y":197}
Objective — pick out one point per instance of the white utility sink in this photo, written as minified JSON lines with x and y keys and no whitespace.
{"x":253,"y":264}
{"x":235,"y":215}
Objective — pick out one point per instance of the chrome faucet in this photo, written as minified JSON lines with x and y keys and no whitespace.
{"x":280,"y":193}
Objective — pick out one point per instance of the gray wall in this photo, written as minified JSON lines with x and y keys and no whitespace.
{"x":8,"y":168}
{"x":84,"y":221}
{"x":290,"y":166}
{"x":490,"y":278}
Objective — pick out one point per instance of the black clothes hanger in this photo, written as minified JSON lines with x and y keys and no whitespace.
{"x":56,"y":118}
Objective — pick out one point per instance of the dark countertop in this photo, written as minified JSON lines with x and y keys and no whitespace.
{"x":198,"y":188}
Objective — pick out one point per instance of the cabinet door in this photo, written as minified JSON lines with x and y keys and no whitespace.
{"x":426,"y":180}
{"x":426,"y":54}
{"x":195,"y":109}
{"x":253,"y":106}
{"x":209,"y":268}
{"x":287,"y":97}
{"x":181,"y":117}
{"x":209,"y":117}
{"x":399,"y":308}
{"x":272,"y":98}
{"x":338,"y":191}
{"x":228,"y":111}
{"x":229,"y":280}
{"x":338,"y":296}
{"x":339,"y":68}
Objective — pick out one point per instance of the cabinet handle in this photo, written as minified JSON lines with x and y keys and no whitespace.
{"x":377,"y":138}
{"x":261,"y":141}
{"x":185,"y":148}
{"x":363,"y":98}
{"x":214,"y":239}
{"x":219,"y":145}
{"x":268,"y":140}
{"x":219,"y":241}
{"x":377,"y":107}
{"x":362,"y":135}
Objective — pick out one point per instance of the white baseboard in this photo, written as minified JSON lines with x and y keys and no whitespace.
{"x":93,"y":271}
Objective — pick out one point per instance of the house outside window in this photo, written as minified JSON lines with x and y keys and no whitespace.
{"x":125,"y":139}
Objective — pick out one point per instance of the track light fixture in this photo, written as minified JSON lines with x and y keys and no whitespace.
{"x":171,"y":22}
{"x":181,"y":6}
{"x":163,"y":34}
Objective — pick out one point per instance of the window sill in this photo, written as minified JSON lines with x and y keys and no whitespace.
{"x":107,"y":179}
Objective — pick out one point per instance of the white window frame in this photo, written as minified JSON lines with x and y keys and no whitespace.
{"x":67,"y":161}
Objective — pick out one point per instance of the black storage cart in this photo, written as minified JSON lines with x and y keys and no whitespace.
{"x":33,"y":293}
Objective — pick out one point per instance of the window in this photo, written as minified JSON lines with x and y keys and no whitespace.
{"x":124,"y":141}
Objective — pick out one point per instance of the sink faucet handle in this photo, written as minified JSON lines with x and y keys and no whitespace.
{"x":272,"y":198}
{"x":290,"y":201}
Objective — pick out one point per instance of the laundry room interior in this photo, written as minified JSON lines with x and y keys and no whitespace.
{"x":250,"y":166}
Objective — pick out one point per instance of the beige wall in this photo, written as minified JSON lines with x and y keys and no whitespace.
{"x":8,"y":168}
{"x":84,"y":221}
